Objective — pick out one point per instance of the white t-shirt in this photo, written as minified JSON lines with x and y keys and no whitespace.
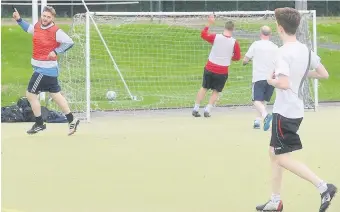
{"x":263,"y":53}
{"x":292,"y":61}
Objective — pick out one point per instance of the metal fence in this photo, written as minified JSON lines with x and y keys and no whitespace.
{"x":323,"y":8}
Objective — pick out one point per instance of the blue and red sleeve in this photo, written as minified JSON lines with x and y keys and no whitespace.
{"x":25,"y":26}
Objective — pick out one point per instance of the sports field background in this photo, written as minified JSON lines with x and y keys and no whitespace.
{"x":170,"y":80}
{"x":162,"y":161}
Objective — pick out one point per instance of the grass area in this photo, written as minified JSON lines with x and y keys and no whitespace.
{"x":327,"y":28}
{"x":329,"y":32}
{"x":161,"y":66}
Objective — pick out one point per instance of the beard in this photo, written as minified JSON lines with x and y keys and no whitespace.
{"x":45,"y":24}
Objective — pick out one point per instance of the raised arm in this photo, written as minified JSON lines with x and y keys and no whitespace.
{"x":210,"y":37}
{"x":65,"y":42}
{"x":24,"y":25}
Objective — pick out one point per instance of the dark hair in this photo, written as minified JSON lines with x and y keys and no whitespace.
{"x":288,"y":18}
{"x":229,"y":25}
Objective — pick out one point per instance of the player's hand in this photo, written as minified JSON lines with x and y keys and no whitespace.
{"x":52,"y":55}
{"x":211,"y":19}
{"x":16,"y":14}
{"x":271,"y":78}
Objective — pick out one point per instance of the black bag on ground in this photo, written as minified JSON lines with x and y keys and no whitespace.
{"x":11,"y":114}
{"x":23,"y":102}
{"x":51,"y":116}
{"x":27,"y":112}
{"x":22,"y":112}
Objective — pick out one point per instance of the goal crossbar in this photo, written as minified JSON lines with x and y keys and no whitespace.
{"x":266,"y":12}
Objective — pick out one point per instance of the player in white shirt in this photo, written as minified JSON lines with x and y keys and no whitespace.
{"x":262,"y":53}
{"x":293,"y":64}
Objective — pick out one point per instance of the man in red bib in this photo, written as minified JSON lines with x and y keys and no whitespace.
{"x":224,"y":49}
{"x":48,"y":42}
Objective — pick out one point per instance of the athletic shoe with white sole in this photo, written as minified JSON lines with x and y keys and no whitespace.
{"x":73,"y":126}
{"x":271,"y":206}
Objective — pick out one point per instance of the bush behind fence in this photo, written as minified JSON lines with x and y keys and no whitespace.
{"x":323,"y":8}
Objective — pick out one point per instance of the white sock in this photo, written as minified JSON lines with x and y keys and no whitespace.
{"x":322,"y":187}
{"x":197,"y":107}
{"x":275,"y":198}
{"x":208,"y":108}
{"x":264,"y":114}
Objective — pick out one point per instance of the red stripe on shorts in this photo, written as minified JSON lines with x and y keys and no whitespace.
{"x":280,"y":129}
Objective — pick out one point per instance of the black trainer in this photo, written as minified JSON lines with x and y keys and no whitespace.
{"x":327,"y":196}
{"x":36,"y":128}
{"x":271,"y":206}
{"x":196,"y":113}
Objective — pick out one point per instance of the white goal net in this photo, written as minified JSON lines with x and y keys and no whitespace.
{"x":156,"y":60}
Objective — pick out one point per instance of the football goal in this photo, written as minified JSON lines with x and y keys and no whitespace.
{"x":155,"y":60}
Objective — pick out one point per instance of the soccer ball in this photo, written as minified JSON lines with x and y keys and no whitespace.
{"x":111,"y":95}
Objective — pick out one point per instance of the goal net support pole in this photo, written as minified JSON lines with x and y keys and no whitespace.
{"x":316,"y":82}
{"x":88,"y":68}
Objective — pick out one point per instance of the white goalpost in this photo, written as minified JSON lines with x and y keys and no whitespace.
{"x":155,"y":60}
{"x":35,"y":18}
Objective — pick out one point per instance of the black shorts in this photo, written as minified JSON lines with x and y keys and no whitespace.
{"x":214,"y":81}
{"x":284,"y":134}
{"x":262,"y":91}
{"x":42,"y":83}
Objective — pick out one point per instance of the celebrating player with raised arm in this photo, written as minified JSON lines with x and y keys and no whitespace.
{"x":262,"y":53}
{"x":224,"y":49}
{"x":48,"y":42}
{"x":292,"y":67}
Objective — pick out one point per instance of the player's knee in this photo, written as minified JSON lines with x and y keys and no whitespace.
{"x":30,"y":95}
{"x":257,"y":103}
{"x":203,"y":91}
{"x":282,"y":159}
{"x":214,"y":91}
{"x":56,"y":95}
